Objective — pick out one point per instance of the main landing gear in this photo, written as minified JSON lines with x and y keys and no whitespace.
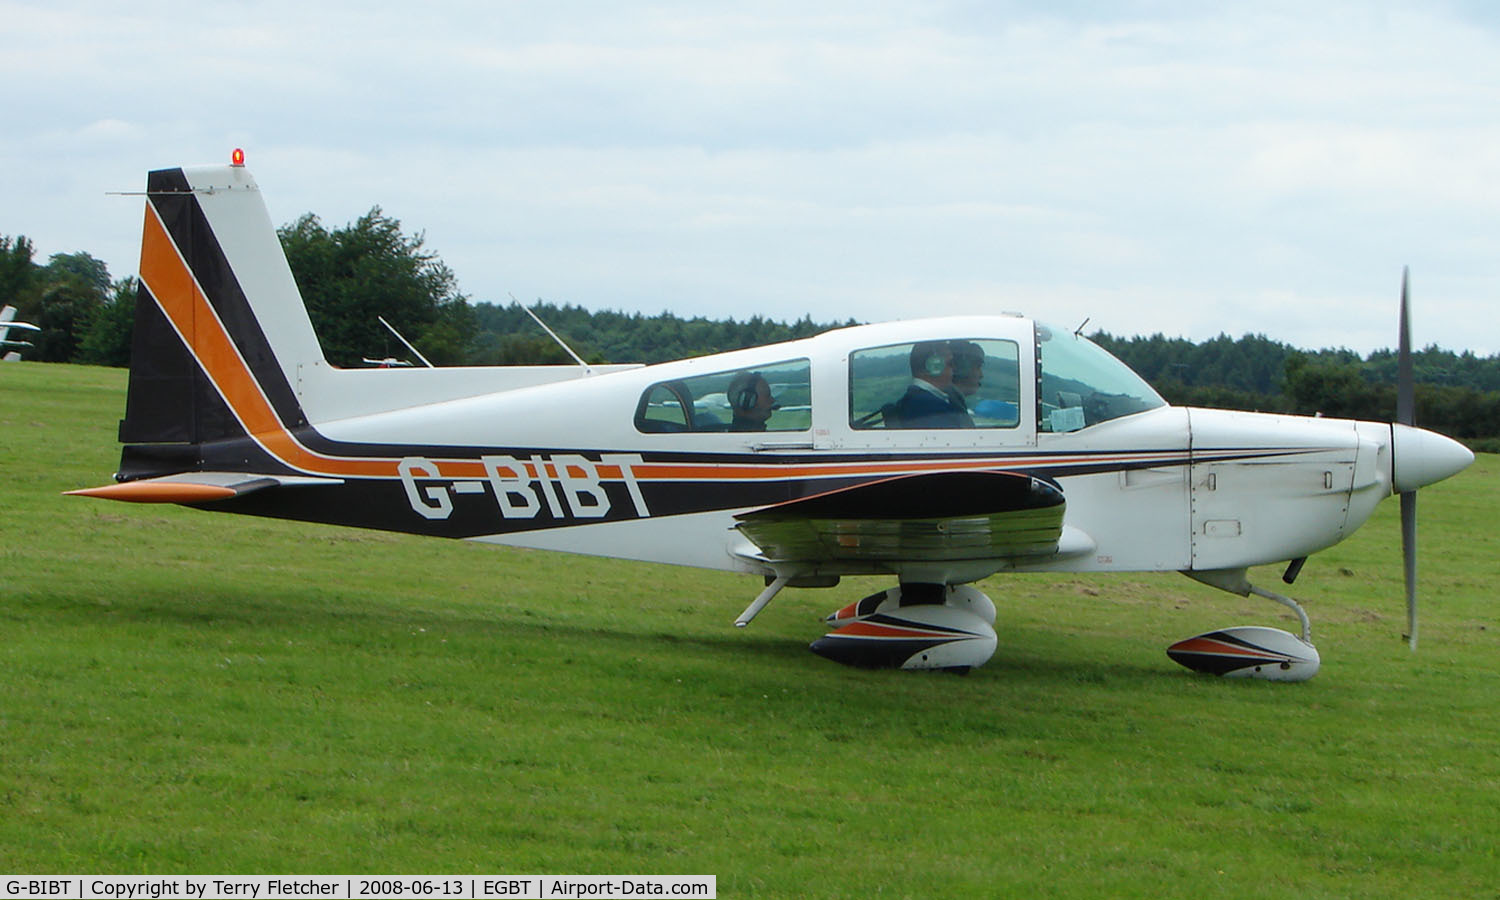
{"x":913,"y":626}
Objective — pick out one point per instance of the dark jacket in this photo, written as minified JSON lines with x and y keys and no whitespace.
{"x":921,"y":408}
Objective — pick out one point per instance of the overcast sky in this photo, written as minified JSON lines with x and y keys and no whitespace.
{"x":1173,"y":167}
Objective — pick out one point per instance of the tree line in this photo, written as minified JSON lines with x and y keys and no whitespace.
{"x":85,"y":316}
{"x":370,"y":268}
{"x":1456,"y":393}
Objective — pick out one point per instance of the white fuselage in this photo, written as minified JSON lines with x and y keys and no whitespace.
{"x":1166,"y":488}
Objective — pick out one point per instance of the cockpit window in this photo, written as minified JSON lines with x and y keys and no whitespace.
{"x":936,"y":384}
{"x":1080,"y":384}
{"x":777,"y":397}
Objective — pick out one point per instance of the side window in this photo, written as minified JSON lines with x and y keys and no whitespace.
{"x":664,"y":408}
{"x":777,"y":397}
{"x":936,"y":384}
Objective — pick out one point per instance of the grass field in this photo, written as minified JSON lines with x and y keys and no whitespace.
{"x":185,"y":692}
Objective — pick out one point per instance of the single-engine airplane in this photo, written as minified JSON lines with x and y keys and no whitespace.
{"x":937,"y":452}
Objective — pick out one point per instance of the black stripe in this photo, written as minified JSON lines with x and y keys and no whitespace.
{"x":159,"y":402}
{"x":1219,"y":664}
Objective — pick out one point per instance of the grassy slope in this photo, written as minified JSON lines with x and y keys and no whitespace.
{"x":185,"y":692}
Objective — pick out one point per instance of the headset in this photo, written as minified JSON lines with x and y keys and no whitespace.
{"x":933,"y":362}
{"x":742,"y":392}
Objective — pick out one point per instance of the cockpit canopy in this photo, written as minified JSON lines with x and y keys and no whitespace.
{"x":969,"y":381}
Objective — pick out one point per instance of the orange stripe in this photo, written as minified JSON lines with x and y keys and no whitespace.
{"x":157,"y":492}
{"x":1219,"y":648}
{"x":775,"y":471}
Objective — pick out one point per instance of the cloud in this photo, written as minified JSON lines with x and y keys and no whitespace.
{"x":1172,"y":167}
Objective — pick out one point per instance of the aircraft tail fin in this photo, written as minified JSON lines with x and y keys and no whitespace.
{"x":221,"y":333}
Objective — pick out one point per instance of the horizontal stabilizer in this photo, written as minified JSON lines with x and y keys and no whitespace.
{"x":930,"y":516}
{"x":196,"y":487}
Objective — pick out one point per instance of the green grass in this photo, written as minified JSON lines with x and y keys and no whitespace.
{"x":186,"y":692}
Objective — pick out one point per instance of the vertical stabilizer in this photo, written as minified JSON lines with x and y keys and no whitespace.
{"x":207,"y":247}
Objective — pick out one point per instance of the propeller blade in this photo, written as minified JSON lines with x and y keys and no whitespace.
{"x":1409,"y":561}
{"x":1406,"y":405}
{"x":1406,"y":414}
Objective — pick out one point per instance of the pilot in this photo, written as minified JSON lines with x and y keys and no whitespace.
{"x":751,"y":402}
{"x":931,"y":401}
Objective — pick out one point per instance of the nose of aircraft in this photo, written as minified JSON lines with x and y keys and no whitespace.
{"x":1421,"y":457}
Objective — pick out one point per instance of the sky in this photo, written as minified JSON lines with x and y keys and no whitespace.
{"x":1175,"y":167}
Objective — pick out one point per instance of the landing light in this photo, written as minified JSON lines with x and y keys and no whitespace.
{"x":237,"y":158}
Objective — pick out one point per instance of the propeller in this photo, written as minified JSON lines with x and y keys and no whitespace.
{"x":1406,"y":414}
{"x":1418,"y":458}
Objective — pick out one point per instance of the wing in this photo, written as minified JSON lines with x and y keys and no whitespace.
{"x":932,"y":517}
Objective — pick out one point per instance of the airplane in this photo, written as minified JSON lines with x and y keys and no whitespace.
{"x":7,"y":322}
{"x":937,"y":452}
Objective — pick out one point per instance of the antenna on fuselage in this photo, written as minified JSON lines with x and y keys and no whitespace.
{"x":406,"y":342}
{"x":560,"y":342}
{"x":1079,"y":330}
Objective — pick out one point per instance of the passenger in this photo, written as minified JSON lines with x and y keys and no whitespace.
{"x":751,"y":402}
{"x":930,"y":401}
{"x":968,"y":375}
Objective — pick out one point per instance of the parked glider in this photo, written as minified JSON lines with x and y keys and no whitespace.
{"x":938,"y":452}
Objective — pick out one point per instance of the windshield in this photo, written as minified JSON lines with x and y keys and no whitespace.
{"x":1079,"y":384}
